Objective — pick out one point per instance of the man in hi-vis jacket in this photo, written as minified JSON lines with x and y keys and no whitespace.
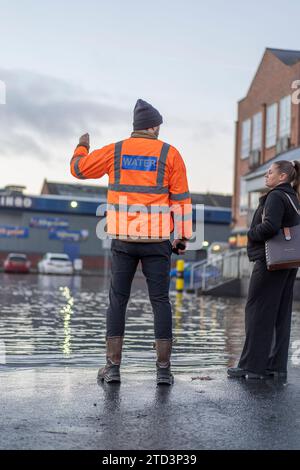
{"x":148,"y":197}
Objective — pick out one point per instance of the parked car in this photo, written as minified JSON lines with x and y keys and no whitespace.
{"x":55,"y":263}
{"x":16,"y":263}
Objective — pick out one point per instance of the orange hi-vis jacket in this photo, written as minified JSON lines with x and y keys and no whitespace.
{"x":147,"y":191}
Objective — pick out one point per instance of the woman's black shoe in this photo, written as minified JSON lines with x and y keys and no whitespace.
{"x":237,"y":372}
{"x":254,"y":376}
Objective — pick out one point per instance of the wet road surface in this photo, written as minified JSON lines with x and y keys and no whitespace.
{"x":61,"y":408}
{"x":52,"y":332}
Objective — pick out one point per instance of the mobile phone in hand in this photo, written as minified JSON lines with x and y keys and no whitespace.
{"x":179,"y":246}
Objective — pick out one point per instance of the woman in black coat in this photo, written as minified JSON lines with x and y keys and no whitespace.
{"x":269,"y":303}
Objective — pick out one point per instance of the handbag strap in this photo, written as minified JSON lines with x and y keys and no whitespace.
{"x":291,"y":201}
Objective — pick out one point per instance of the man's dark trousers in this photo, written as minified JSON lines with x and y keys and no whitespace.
{"x":268,"y":319}
{"x":155,"y":259}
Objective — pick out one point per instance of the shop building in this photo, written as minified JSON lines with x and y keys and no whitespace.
{"x":267,"y":130}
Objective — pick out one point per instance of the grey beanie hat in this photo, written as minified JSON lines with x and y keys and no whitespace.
{"x":145,"y":116}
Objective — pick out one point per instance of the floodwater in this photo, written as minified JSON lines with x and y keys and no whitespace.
{"x":60,"y":320}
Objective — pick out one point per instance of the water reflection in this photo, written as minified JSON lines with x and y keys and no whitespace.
{"x":66,"y":312}
{"x":61,"y":320}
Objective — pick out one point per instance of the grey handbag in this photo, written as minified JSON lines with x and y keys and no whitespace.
{"x":283,"y":250}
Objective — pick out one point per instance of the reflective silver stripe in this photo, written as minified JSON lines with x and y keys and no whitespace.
{"x":162,"y":164}
{"x":140,"y":207}
{"x":117,"y":161}
{"x":180,"y":196}
{"x":76,"y":167}
{"x":126,"y":188}
{"x":183,"y":218}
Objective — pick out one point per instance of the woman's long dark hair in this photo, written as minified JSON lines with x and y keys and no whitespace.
{"x":292,"y":169}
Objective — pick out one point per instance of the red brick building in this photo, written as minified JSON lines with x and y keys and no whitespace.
{"x":267,"y":129}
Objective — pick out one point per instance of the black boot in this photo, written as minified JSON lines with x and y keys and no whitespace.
{"x":111,"y":371}
{"x":163,"y":365}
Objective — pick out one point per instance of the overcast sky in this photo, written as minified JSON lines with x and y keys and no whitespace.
{"x":72,"y":67}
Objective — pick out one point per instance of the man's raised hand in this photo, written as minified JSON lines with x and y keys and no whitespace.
{"x":85,"y":140}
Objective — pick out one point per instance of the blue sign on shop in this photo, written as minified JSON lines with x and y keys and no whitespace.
{"x":8,"y":231}
{"x":48,"y":222}
{"x":68,"y":235}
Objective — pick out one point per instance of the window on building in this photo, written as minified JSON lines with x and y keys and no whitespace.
{"x":256,"y":131}
{"x":271,"y":130}
{"x":246,"y":129}
{"x":285,"y":116}
{"x":254,"y":199}
{"x":243,"y":197}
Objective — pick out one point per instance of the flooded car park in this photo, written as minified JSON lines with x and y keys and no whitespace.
{"x":52,"y":342}
{"x":48,"y":320}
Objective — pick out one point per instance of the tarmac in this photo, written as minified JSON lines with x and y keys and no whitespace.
{"x":65,"y":408}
